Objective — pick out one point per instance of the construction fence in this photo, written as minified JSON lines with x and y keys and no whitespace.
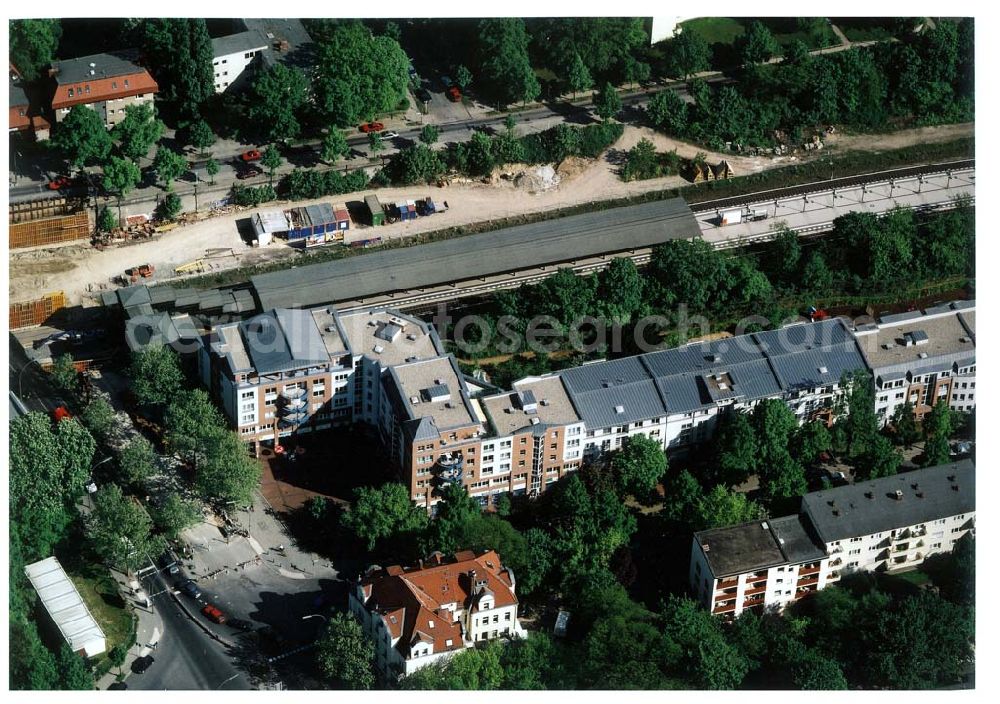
{"x":50,"y":230}
{"x":28,"y":313}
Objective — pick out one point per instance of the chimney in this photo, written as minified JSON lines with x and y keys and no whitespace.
{"x":472,"y":581}
{"x":898,"y":495}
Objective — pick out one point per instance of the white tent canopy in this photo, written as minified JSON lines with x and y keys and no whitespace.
{"x":63,"y":603}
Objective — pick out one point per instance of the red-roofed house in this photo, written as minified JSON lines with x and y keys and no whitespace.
{"x":108,"y":83}
{"x":417,"y":615}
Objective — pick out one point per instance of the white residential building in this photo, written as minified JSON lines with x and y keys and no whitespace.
{"x":888,"y":524}
{"x":418,"y":615}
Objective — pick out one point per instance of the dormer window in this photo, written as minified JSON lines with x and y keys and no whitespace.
{"x":114,"y":85}
{"x":126,"y":83}
{"x":71,"y":92}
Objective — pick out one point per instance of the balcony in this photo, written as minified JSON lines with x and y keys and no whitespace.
{"x":727,"y":583}
{"x":724,"y":609}
{"x":804,"y":571}
{"x":808,"y":581}
{"x":293,"y":393}
{"x":451,"y":460}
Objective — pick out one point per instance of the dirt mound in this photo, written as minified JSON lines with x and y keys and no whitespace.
{"x":527,"y":177}
{"x":573,"y":166}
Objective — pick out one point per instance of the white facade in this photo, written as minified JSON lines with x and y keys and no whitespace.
{"x":227,"y":68}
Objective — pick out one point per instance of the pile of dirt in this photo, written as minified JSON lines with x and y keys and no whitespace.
{"x":537,"y":179}
{"x":572,"y":166}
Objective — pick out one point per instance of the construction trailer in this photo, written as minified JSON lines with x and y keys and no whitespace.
{"x":66,"y":608}
{"x":267,"y":224}
{"x":314,"y":224}
{"x":376,"y":214}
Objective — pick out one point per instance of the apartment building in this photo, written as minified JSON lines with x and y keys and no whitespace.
{"x":280,"y":373}
{"x":922,"y":357}
{"x":421,"y":614}
{"x":757,"y":565}
{"x":896,"y":522}
{"x":254,"y":44}
{"x":106,"y":83}
{"x":888,"y":524}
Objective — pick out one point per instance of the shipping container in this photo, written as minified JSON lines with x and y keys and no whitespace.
{"x":29,"y":313}
{"x":376,"y":214}
{"x":732,"y":217}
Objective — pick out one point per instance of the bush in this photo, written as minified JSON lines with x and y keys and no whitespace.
{"x":252,"y":196}
{"x":304,"y":184}
{"x":169,"y":208}
{"x":106,"y":220}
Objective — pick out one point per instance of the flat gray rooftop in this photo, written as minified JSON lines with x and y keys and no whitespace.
{"x":511,"y":249}
{"x":872,"y":507}
{"x":746,"y":547}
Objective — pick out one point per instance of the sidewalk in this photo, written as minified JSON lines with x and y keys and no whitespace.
{"x":149,"y":629}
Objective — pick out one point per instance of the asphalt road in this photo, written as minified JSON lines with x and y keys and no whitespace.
{"x":28,"y":382}
{"x":186,"y":657}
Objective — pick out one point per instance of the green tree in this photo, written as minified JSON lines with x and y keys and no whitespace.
{"x":785,"y":255}
{"x":63,"y":374}
{"x":471,"y":669}
{"x":702,"y":649}
{"x":99,"y":417}
{"x":271,"y":160}
{"x":168,"y":208}
{"x":578,"y":79}
{"x":121,"y":176}
{"x":33,"y":44}
{"x":169,"y":166}
{"x":106,"y":220}
{"x":117,"y":655}
{"x":334,"y":146}
{"x":857,"y":419}
{"x":180,"y":52}
{"x":200,"y":135}
{"x":620,"y":290}
{"x":684,"y":54}
{"x":137,"y":461}
{"x":32,"y":665}
{"x":416,"y":164}
{"x":641,"y":162}
{"x":479,"y":153}
{"x":735,"y":450}
{"x":757,"y":45}
{"x":463,"y":77}
{"x":682,"y":498}
{"x":505,"y":69}
{"x":937,"y":432}
{"x":881,"y":460}
{"x":667,"y":111}
{"x":814,"y":671}
{"x":139,"y":131}
{"x":639,"y":465}
{"x":904,"y":425}
{"x":606,"y":102}
{"x":175,"y":515}
{"x":721,"y":507}
{"x":635,"y":71}
{"x":276,"y":98}
{"x":429,"y":134}
{"x":376,"y":145}
{"x":119,"y":530}
{"x":155,"y":375}
{"x":809,"y":441}
{"x":81,"y":138}
{"x":345,"y":655}
{"x":816,"y":276}
{"x":780,"y":476}
{"x":212,"y":169}
{"x":381,"y":512}
{"x":375,"y":83}
{"x":228,"y":474}
{"x":73,"y":671}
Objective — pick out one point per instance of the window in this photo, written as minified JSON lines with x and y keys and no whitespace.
{"x":856,"y":551}
{"x":71,"y":92}
{"x":506,"y":616}
{"x":126,"y":83}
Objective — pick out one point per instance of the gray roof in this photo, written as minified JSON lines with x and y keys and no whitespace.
{"x":511,"y":249}
{"x":235,"y":43}
{"x":871,"y":507}
{"x":120,"y":63}
{"x":599,"y":390}
{"x":301,"y":49}
{"x":685,"y":375}
{"x":796,"y":539}
{"x":283,"y":339}
{"x":811,"y":355}
{"x":746,"y":547}
{"x":18,"y":97}
{"x":159,"y":329}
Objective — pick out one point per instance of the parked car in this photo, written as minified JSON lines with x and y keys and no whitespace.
{"x":446,"y":82}
{"x":389,"y":134}
{"x":59,"y":182}
{"x":249,"y":172}
{"x":454,"y":94}
{"x":839,"y":478}
{"x":213,"y":614}
{"x":372,"y":127}
{"x":424,"y":95}
{"x":169,"y":563}
{"x":118,"y":685}
{"x":250,"y":155}
{"x":240,"y":624}
{"x":189,"y":587}
{"x":140,"y":665}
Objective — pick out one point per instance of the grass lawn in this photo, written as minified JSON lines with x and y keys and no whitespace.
{"x":915,"y":577}
{"x":101,"y":596}
{"x":722,"y":30}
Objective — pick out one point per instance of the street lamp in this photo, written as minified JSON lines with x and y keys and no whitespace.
{"x":31,"y":360}
{"x":306,"y":618}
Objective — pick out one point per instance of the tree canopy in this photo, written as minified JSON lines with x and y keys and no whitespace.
{"x":139,"y":131}
{"x":345,"y":655}
{"x":276,"y":98}
{"x":33,"y":44}
{"x":155,"y":373}
{"x":81,"y":137}
{"x":505,"y":67}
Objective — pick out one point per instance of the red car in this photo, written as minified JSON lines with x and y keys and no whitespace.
{"x":251,"y":155}
{"x":372,"y":127}
{"x":213,"y":614}
{"x":454,"y":94}
{"x":60,"y":414}
{"x":60,"y":182}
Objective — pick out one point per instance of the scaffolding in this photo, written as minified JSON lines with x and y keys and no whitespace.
{"x":29,"y":313}
{"x":52,"y":230}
